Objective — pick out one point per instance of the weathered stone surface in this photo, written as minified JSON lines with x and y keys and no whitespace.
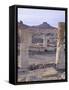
{"x":49,"y":72}
{"x":63,"y":75}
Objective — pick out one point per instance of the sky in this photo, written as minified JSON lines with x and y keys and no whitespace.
{"x":34,"y":17}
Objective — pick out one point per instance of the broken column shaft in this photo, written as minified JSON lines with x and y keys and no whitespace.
{"x":60,"y":40}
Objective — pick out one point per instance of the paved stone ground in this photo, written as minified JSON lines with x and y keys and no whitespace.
{"x":50,"y":72}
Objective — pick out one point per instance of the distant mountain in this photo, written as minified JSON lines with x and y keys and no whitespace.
{"x":44,"y":25}
{"x":21,"y":25}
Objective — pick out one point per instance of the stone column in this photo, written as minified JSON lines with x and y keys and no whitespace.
{"x":44,"y":41}
{"x":60,"y":39}
{"x":19,"y":48}
{"x":24,"y":47}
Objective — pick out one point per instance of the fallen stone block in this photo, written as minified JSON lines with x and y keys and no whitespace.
{"x":49,"y":72}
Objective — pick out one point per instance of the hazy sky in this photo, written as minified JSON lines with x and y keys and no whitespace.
{"x":38,"y":16}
